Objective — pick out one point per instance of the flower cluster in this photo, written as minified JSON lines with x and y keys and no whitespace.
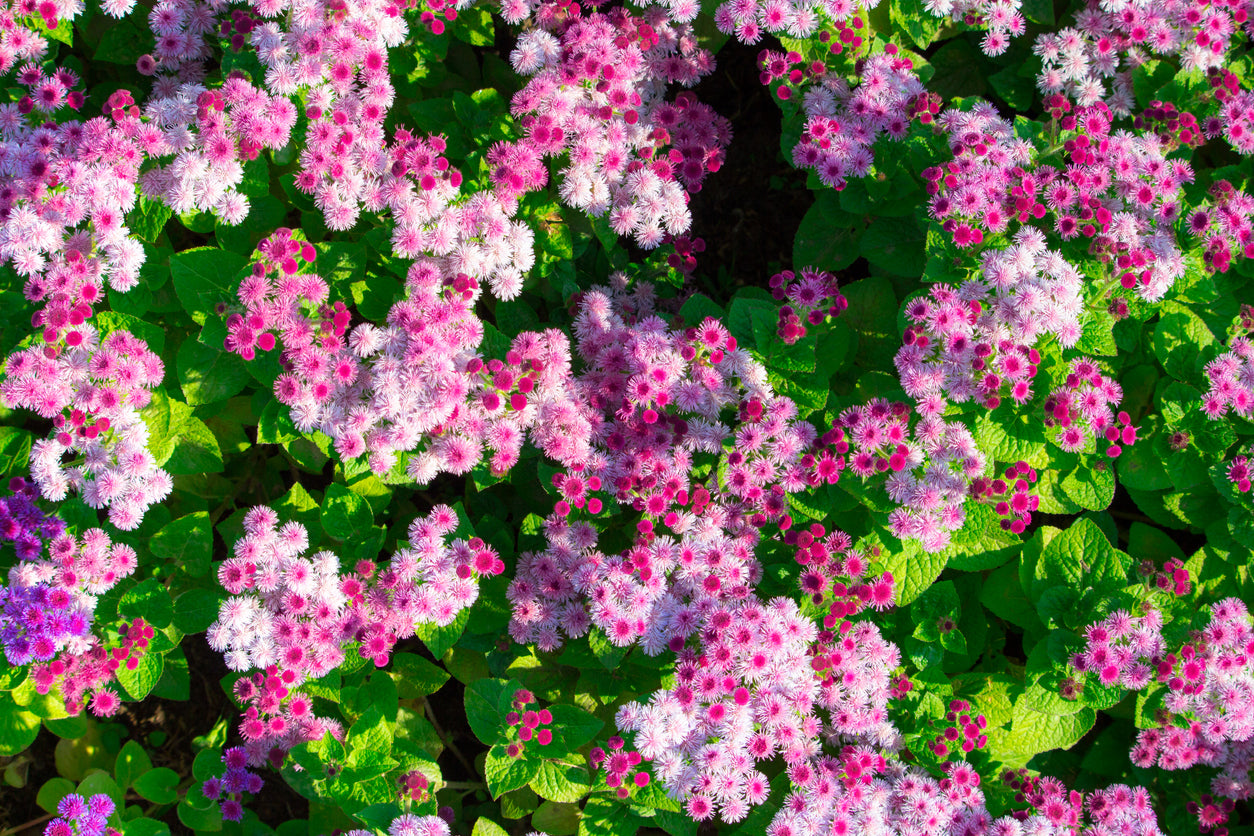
{"x":92,"y":386}
{"x":1002,"y":17}
{"x":78,"y":816}
{"x":814,"y":295}
{"x":1110,"y":39}
{"x":1115,"y":809}
{"x":1231,"y":380}
{"x":293,"y":616}
{"x":1081,"y":410}
{"x":748,"y":19}
{"x":1209,"y":684}
{"x":842,"y":123}
{"x":661,"y":395}
{"x":1224,"y":223}
{"x":46,"y":613}
{"x":746,"y":697}
{"x":619,"y":764}
{"x":23,"y":523}
{"x":212,"y":134}
{"x":229,"y":788}
{"x":1118,"y":189}
{"x":384,"y":391}
{"x":595,"y":94}
{"x":978,"y":341}
{"x":1117,"y":648}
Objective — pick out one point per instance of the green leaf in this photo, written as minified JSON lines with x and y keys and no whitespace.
{"x":559,"y":781}
{"x":1080,"y":557}
{"x":205,"y":277}
{"x":440,"y":639}
{"x":1003,"y":595}
{"x":199,"y":813}
{"x":52,"y":791}
{"x":556,"y":819}
{"x":346,"y":515}
{"x":1178,"y":340}
{"x":505,"y":774}
{"x":159,"y":785}
{"x":148,"y":600}
{"x":138,"y":683}
{"x":416,"y":676}
{"x":573,"y":727}
{"x":1091,"y":485}
{"x":100,"y":782}
{"x":371,"y":732}
{"x":145,"y":827}
{"x":828,"y":236}
{"x":922,"y":26}
{"x":208,"y":374}
{"x":602,"y":817}
{"x":186,"y":542}
{"x":913,"y":569}
{"x":486,"y":827}
{"x":895,"y":245}
{"x":487,"y":702}
{"x":132,"y":762}
{"x":196,"y":609}
{"x":149,"y":217}
{"x":1032,"y":732}
{"x":197,"y":450}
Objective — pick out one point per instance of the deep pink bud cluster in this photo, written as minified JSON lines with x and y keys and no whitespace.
{"x":414,"y":786}
{"x":962,"y":733}
{"x":1172,"y":577}
{"x":832,"y":568}
{"x":527,"y":724}
{"x":84,"y":678}
{"x":812,"y":298}
{"x":1010,"y":495}
{"x":1240,"y":473}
